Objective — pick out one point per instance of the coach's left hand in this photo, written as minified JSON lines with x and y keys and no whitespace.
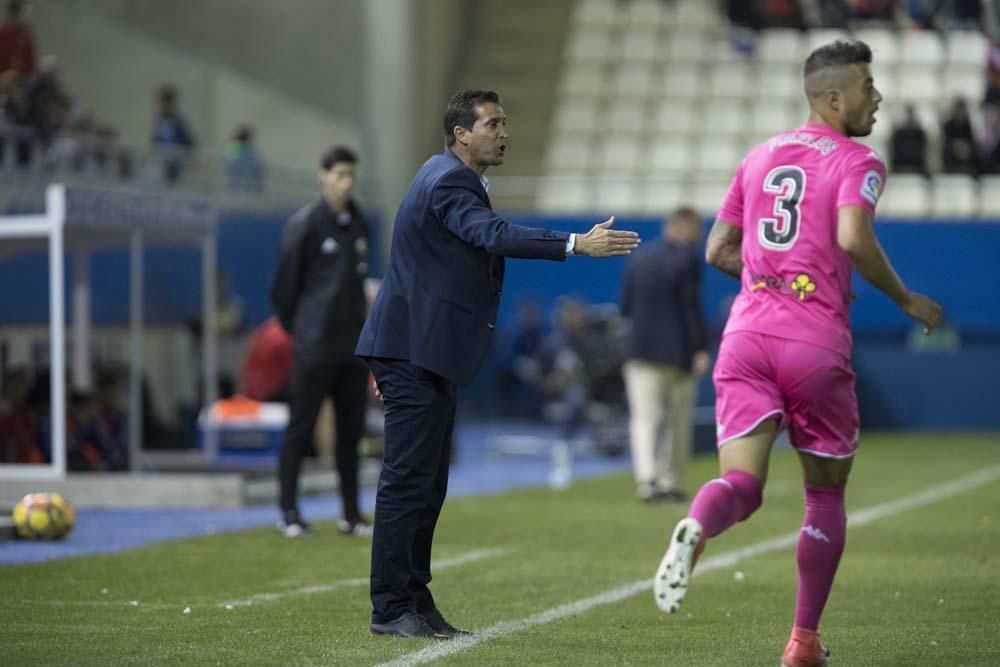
{"x":602,"y":241}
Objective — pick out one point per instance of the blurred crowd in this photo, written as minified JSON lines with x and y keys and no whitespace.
{"x":43,"y":127}
{"x":96,"y":428}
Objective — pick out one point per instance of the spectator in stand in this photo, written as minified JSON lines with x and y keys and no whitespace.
{"x":784,"y":14}
{"x":245,"y":170}
{"x":18,"y":422}
{"x":15,"y":122}
{"x":107,"y":429}
{"x":519,"y":368}
{"x":48,"y":102}
{"x":17,"y":42}
{"x":883,"y":11}
{"x":172,"y":141}
{"x":966,"y":15}
{"x":958,"y":142}
{"x":992,"y":95}
{"x":909,"y":145}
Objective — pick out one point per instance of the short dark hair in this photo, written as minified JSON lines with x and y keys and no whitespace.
{"x":838,"y":54}
{"x":685,"y":212}
{"x":336,"y":154}
{"x":461,"y":111}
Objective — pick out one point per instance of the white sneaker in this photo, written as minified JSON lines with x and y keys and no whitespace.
{"x":674,"y":574}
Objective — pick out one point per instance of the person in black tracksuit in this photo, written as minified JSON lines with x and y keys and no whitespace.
{"x":319,"y":297}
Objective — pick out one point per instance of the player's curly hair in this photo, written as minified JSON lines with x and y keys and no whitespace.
{"x":838,"y":54}
{"x":461,"y":111}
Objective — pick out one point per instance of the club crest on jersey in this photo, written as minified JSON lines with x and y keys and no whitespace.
{"x":871,"y":187}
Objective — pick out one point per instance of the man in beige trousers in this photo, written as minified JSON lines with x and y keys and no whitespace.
{"x":667,"y":353}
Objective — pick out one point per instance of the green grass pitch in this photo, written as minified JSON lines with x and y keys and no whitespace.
{"x":916,"y":587}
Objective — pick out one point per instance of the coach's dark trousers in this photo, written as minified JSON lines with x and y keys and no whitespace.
{"x":314,"y":377}
{"x":419,"y":419}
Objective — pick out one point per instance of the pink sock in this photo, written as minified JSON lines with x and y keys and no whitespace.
{"x":821,"y":543}
{"x":722,"y":502}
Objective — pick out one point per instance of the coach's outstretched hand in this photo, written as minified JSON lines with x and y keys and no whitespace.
{"x":602,"y":241}
{"x":924,"y":310}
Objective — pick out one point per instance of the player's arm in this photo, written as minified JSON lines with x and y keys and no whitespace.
{"x":856,"y":236}
{"x":723,"y":248}
{"x":287,"y":285}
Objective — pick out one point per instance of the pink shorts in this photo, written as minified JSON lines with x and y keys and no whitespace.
{"x":808,"y":387}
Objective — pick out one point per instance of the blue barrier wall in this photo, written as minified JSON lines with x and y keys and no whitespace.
{"x":954,"y":262}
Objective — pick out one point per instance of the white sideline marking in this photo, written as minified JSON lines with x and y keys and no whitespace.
{"x":856,"y":519}
{"x":444,"y":563}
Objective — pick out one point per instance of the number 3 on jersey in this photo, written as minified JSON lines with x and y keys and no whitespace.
{"x":788,"y":184}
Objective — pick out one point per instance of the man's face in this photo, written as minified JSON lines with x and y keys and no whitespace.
{"x":487,"y":140}
{"x":683,"y":228}
{"x":338,"y":181}
{"x":860,"y":100}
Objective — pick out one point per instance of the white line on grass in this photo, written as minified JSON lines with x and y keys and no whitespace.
{"x":461,"y":559}
{"x":728,"y":559}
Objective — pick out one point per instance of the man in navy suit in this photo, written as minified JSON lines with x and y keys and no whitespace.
{"x":429,"y":330}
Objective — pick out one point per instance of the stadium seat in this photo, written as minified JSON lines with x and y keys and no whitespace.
{"x":575,"y":115}
{"x":716,"y":157}
{"x":695,"y":14}
{"x":726,"y":81}
{"x":779,"y":81}
{"x":617,"y":196}
{"x":919,"y":84}
{"x":566,"y":195}
{"x":966,"y":47}
{"x":648,"y":14}
{"x":781,"y":46}
{"x":683,"y":81}
{"x":671,"y":155}
{"x":685,"y":47}
{"x":640,"y":46}
{"x":954,"y":196}
{"x":633,"y":80}
{"x":965,"y":81}
{"x":921,"y":47}
{"x":707,"y":195}
{"x":726,"y":120}
{"x":661,"y":195}
{"x":582,"y":79}
{"x":568,"y":154}
{"x":676,"y":116}
{"x":620,"y":156}
{"x":906,"y":196}
{"x":592,"y":46}
{"x":595,"y":13}
{"x":626,"y":117}
{"x":769,"y":117}
{"x":989,"y":198}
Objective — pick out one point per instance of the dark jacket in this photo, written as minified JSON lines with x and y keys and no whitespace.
{"x":661,"y":297}
{"x":438,"y":302}
{"x":318,"y":292}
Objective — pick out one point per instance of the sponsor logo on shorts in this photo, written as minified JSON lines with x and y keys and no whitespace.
{"x":871,"y":187}
{"x":720,"y":428}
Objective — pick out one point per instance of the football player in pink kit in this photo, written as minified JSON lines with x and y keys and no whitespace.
{"x":796,"y":219}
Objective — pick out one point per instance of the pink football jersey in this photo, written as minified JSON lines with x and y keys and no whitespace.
{"x":796,"y":280}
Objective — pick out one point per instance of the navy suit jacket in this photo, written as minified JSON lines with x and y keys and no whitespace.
{"x":438,"y":302}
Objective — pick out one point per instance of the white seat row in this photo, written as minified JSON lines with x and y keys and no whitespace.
{"x":645,"y":13}
{"x":778,"y":46}
{"x":945,"y":197}
{"x":742,"y":80}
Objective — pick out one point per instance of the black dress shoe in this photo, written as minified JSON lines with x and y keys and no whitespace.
{"x":436,"y":621}
{"x":410,"y":624}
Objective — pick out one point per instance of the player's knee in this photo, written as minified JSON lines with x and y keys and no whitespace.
{"x":749,"y":490}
